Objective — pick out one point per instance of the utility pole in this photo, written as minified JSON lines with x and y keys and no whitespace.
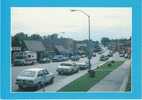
{"x":89,"y":38}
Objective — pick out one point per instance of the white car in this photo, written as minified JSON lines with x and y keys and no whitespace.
{"x":67,"y":68}
{"x":83,"y":65}
{"x":34,"y":77}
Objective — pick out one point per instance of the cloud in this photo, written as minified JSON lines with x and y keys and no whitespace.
{"x":104,"y":20}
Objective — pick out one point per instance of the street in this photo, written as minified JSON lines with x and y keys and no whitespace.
{"x":53,"y":66}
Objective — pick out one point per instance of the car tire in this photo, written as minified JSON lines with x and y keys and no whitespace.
{"x":51,"y":80}
{"x":20,"y":87}
{"x":77,"y":71}
{"x":39,"y":85}
{"x":59,"y":73}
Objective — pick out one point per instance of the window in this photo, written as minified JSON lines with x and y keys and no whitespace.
{"x":29,"y":56}
{"x":45,"y":72}
{"x":28,"y":74}
{"x":40,"y":73}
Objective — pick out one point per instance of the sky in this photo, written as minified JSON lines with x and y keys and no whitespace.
{"x":111,"y":22}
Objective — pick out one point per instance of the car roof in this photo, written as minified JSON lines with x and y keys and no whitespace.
{"x":68,"y":63}
{"x":34,"y":69}
{"x":80,"y":63}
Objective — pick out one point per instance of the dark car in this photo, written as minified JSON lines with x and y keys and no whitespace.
{"x":83,"y":65}
{"x":104,"y":58}
{"x":58,"y":58}
{"x":75,"y":58}
{"x":44,"y":60}
{"x":110,"y":55}
{"x":121,"y":54}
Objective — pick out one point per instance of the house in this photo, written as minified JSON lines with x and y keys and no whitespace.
{"x":63,"y":51}
{"x":14,"y":52}
{"x":35,"y":46}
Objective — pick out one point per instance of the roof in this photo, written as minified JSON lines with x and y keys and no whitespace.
{"x":61,"y":49}
{"x":34,"y":45}
{"x":34,"y":69}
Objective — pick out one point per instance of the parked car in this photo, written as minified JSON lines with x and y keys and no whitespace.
{"x":121,"y":54}
{"x":67,"y":68}
{"x":34,"y":77}
{"x":65,"y":58}
{"x":110,"y":54}
{"x":104,"y":58}
{"x":44,"y":60}
{"x":83,"y":65}
{"x":101,"y":52}
{"x":75,"y":58}
{"x":58,"y":58}
{"x":94,"y":55}
{"x":126,"y":55}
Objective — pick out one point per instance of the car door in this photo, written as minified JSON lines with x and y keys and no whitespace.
{"x":75,"y":67}
{"x":42,"y":77}
{"x":47,"y":76}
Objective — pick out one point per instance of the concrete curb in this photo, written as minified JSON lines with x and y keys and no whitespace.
{"x":124,"y":83}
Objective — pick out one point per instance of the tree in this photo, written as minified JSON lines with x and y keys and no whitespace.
{"x":17,"y":39}
{"x":21,"y":36}
{"x":35,"y":37}
{"x":105,"y":41}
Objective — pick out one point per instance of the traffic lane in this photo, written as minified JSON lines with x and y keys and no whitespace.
{"x":57,"y":85}
{"x":51,"y":68}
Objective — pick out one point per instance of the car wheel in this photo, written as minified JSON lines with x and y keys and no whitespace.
{"x":39,"y":85}
{"x":20,"y":87}
{"x":51,"y":80}
{"x":77,"y":71}
{"x":59,"y":73}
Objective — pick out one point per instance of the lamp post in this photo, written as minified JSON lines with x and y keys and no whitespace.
{"x":89,"y":51}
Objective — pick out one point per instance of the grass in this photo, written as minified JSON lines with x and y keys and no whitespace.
{"x":84,"y":83}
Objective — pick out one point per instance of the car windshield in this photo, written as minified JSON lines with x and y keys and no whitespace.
{"x":20,"y":57}
{"x":65,"y":64}
{"x":28,"y":74}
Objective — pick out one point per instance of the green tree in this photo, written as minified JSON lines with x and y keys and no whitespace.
{"x":17,"y":39}
{"x":105,"y":41}
{"x":35,"y":37}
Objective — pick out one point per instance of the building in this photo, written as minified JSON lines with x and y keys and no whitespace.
{"x":35,"y":46}
{"x":14,"y":52}
{"x":63,"y":51}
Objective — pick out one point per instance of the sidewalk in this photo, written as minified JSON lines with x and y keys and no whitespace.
{"x":115,"y":81}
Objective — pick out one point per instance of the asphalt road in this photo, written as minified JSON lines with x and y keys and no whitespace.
{"x":52,"y":68}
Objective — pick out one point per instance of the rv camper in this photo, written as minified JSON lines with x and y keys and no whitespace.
{"x":25,"y":58}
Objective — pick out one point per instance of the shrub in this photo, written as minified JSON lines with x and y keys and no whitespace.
{"x":112,"y":61}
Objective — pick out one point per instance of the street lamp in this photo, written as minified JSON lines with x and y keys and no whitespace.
{"x":88,"y":16}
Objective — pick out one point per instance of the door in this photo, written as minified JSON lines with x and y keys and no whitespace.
{"x":41,"y":77}
{"x":47,"y":76}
